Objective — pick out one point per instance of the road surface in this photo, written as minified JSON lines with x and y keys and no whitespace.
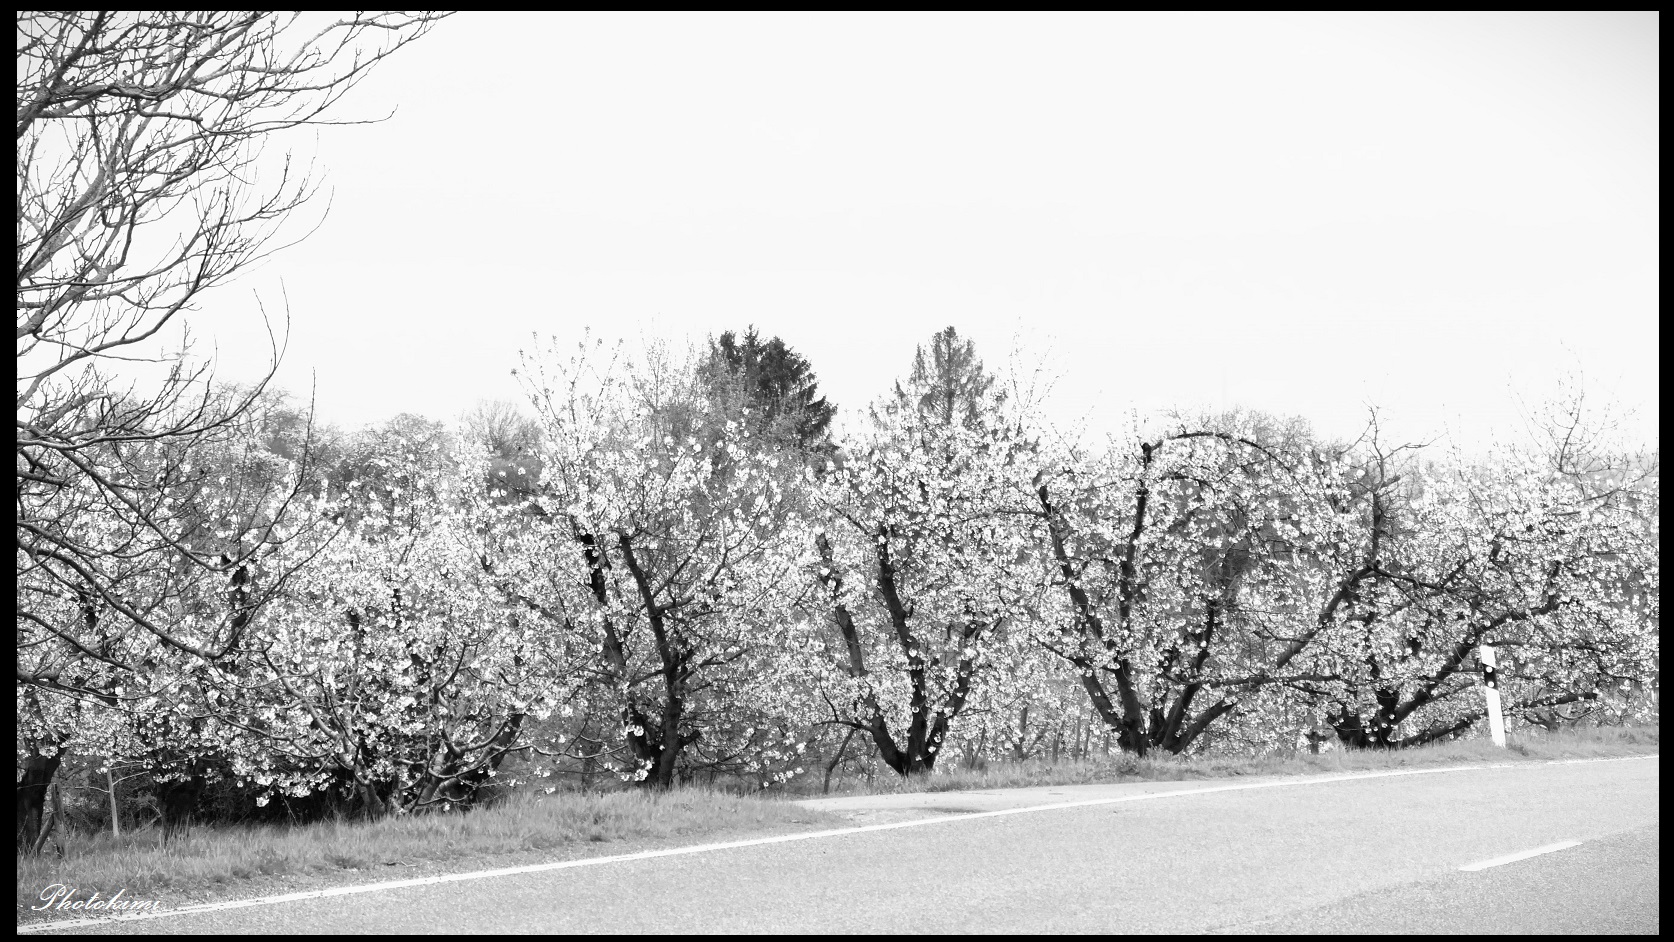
{"x":1361,"y":854}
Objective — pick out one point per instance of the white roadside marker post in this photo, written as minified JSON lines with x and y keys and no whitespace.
{"x":1491,"y":690}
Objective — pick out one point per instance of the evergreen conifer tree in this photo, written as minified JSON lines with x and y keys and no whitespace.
{"x":775,"y":382}
{"x":949,"y":385}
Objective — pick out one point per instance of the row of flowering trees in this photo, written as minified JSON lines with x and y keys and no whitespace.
{"x":668,"y":589}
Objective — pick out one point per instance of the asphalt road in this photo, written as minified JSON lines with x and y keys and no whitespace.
{"x":1358,"y":855}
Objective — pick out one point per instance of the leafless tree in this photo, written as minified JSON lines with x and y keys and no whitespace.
{"x":502,"y":428}
{"x":141,"y":185}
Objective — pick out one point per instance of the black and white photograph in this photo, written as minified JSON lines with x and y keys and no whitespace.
{"x":790,"y":473}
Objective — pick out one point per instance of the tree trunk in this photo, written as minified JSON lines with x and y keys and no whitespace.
{"x":52,"y":819}
{"x":661,"y":745}
{"x":373,"y":806}
{"x":465,"y":788}
{"x":1020,"y":749}
{"x":662,"y":774}
{"x":1351,"y":730}
{"x":38,"y":771}
{"x":115,"y":810}
{"x":832,"y":767}
{"x":179,"y":800}
{"x":916,"y":765}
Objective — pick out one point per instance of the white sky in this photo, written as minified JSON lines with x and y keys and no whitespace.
{"x":1298,"y":213}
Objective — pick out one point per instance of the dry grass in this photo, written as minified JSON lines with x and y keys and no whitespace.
{"x":1525,"y":745}
{"x":232,"y":862}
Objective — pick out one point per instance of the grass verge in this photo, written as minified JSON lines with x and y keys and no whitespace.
{"x":217,"y":863}
{"x":1524,"y":745}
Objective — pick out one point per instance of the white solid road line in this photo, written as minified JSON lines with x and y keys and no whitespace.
{"x":778,"y":839}
{"x":1520,"y":855}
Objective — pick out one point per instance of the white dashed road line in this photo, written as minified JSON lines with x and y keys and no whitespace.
{"x":787,"y":838}
{"x":1520,"y":855}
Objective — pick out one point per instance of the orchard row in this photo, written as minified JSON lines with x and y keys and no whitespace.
{"x":668,"y":578}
